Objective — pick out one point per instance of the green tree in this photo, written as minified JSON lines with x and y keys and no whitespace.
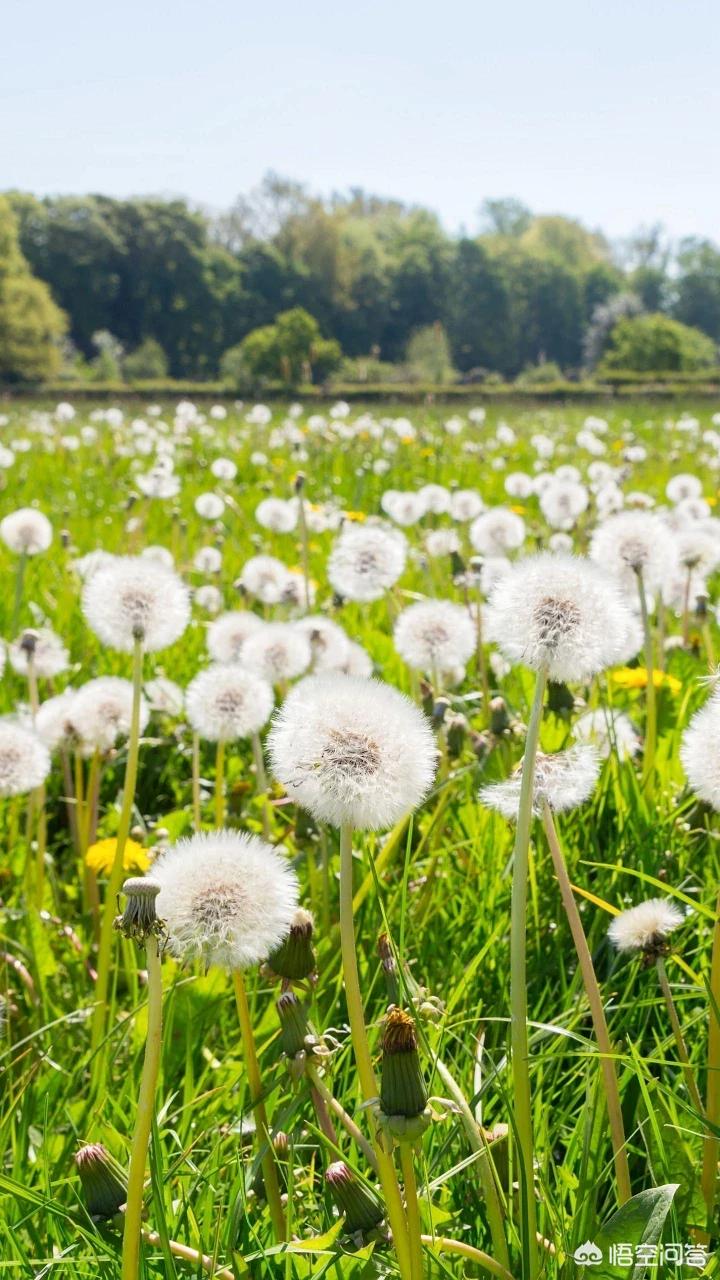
{"x":288,"y":351}
{"x":697,"y":288}
{"x":31,"y":325}
{"x":477,"y":311}
{"x":657,"y":343}
{"x":146,"y":361}
{"x":428,"y":356}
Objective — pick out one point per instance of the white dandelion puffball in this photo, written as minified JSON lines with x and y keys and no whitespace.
{"x":209,"y":506}
{"x":209,"y":598}
{"x":278,"y":651}
{"x":435,"y":636}
{"x":42,"y":651}
{"x":565,"y":780}
{"x":277,"y":515}
{"x":562,"y":503}
{"x":264,"y":578}
{"x":700,"y":752}
{"x":634,"y":542}
{"x":133,"y":599}
{"x":366,"y":561}
{"x":441,"y":542}
{"x":226,"y":702}
{"x":101,"y":712}
{"x":27,"y":532}
{"x":207,"y":560}
{"x":608,"y":731}
{"x":436,"y":498}
{"x":358,"y":662}
{"x":562,"y":613}
{"x":465,"y":504}
{"x":352,"y":751}
{"x":223,"y":468}
{"x":53,"y":721}
{"x":497,"y":531}
{"x":228,"y":633}
{"x":226,"y":898}
{"x":24,"y":759}
{"x":645,"y":926}
{"x":164,"y":696}
{"x":329,"y":644}
{"x":678,"y":488}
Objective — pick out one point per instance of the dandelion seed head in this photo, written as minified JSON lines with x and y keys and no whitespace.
{"x":646,"y":926}
{"x":226,"y":702}
{"x":366,"y":561}
{"x":633,"y":542}
{"x":435,"y":636}
{"x":608,"y":731}
{"x":42,"y":650}
{"x":565,"y":780}
{"x":228,"y":633}
{"x":352,"y":750}
{"x":101,"y":712}
{"x":277,"y":651}
{"x":497,"y":531}
{"x":700,"y":752}
{"x":24,"y":759}
{"x":226,"y":898}
{"x":26,"y":531}
{"x":133,"y":599}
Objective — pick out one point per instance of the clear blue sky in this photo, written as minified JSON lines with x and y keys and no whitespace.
{"x":609,"y":110}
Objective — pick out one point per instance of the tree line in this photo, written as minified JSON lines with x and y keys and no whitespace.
{"x":175,"y":287}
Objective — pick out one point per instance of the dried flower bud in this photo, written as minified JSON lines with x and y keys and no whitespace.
{"x":360,"y":1206}
{"x":402,"y":1089}
{"x":389,"y":966}
{"x":456,"y":727}
{"x":139,"y":919}
{"x":294,"y":959}
{"x":441,"y":706}
{"x":499,"y":718}
{"x":104,"y":1182}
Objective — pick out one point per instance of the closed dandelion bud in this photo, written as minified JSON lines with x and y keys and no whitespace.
{"x":139,"y":919}
{"x":456,"y":728}
{"x":457,"y":564}
{"x":299,"y":484}
{"x":441,"y":706}
{"x":65,"y":538}
{"x":293,"y":1024}
{"x":281,"y":1144}
{"x":104,"y":1182}
{"x":402,"y":1088}
{"x":389,"y":967}
{"x":294,"y":959}
{"x":28,"y":643}
{"x":701,"y":608}
{"x":499,"y":717}
{"x":427,"y":698}
{"x":357,"y":1203}
{"x":281,"y":1147}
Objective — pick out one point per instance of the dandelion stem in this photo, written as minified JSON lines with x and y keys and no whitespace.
{"x":196,"y":781}
{"x":446,"y":1245}
{"x":220,"y":785}
{"x":339,"y":1111}
{"x":302,"y":522}
{"x":261,"y":785}
{"x":417,"y":1268}
{"x":116,"y":873}
{"x":518,"y":986}
{"x":592,"y":991}
{"x":189,"y":1254}
{"x":252,"y":1067}
{"x":143,"y":1120}
{"x":650,"y":698}
{"x":683,"y":1055}
{"x":686,"y":608}
{"x":711,"y":1141}
{"x":485,"y":1163}
{"x":19,"y":585}
{"x":363,"y":1060}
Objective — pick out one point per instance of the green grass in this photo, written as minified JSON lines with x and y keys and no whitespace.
{"x":444,"y":895}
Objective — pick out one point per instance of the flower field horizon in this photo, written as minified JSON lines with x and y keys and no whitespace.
{"x":402,"y":726}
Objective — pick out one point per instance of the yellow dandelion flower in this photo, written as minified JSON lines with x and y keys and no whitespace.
{"x":407,"y":439}
{"x":636,"y":678}
{"x":427,"y":453}
{"x":101,"y":856}
{"x":519,"y":509}
{"x":357,"y":516}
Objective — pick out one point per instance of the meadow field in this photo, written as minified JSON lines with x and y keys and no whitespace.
{"x":400,"y":1041}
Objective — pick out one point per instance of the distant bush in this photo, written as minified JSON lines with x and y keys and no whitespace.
{"x":290,"y":351}
{"x":650,"y":342}
{"x":539,"y":375}
{"x":428,"y":357}
{"x":146,"y":361}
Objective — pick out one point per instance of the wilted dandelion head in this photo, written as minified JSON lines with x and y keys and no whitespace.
{"x":562,"y":613}
{"x":277,"y":652}
{"x":435,"y":636}
{"x":24,"y":759}
{"x":366,"y":561}
{"x":634,"y":542}
{"x":226,"y":701}
{"x":700,"y":752}
{"x":136,"y":599}
{"x":26,"y":531}
{"x":228,"y":633}
{"x":565,"y":780}
{"x":608,"y":731}
{"x":352,"y":750}
{"x":497,"y":531}
{"x":42,"y":650}
{"x":646,"y":926}
{"x":101,"y":712}
{"x":225,"y":897}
